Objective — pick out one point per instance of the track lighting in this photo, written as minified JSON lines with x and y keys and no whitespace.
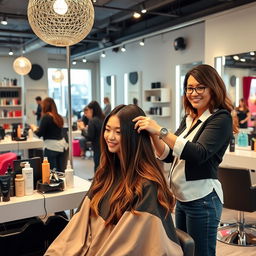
{"x":84,"y":60}
{"x":4,"y":21}
{"x":142,"y":43}
{"x":10,"y":52}
{"x":136,"y":15}
{"x":143,"y":8}
{"x":123,"y":49}
{"x":103,"y":55}
{"x":74,"y":62}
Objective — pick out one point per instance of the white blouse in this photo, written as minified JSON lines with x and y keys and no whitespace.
{"x":184,"y":190}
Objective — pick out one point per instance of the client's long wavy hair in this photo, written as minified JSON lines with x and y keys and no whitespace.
{"x":137,"y":164}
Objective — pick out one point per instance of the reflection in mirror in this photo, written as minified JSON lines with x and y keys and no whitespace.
{"x":132,"y":88}
{"x":181,"y":71}
{"x":239,"y":74}
{"x":108,"y":85}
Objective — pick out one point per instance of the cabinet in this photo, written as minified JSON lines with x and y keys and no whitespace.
{"x":10,"y":104}
{"x":159,"y":100}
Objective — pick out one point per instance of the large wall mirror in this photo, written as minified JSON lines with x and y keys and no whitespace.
{"x":132,"y":88}
{"x":108,"y":89}
{"x":239,"y":74}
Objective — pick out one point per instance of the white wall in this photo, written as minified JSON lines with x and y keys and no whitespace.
{"x":157,"y":61}
{"x":230,"y":32}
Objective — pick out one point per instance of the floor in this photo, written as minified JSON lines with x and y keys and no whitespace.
{"x":84,"y":169}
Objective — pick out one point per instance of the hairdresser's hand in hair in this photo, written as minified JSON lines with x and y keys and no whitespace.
{"x":145,"y":123}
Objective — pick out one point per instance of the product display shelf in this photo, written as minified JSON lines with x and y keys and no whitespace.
{"x":159,"y":98}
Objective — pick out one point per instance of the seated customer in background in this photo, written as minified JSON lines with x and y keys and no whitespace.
{"x":127,"y":210}
{"x":83,"y":124}
{"x":50,"y":128}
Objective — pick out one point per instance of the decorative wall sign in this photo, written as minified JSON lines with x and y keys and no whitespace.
{"x":36,"y":72}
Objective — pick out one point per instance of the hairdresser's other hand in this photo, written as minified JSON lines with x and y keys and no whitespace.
{"x":145,"y":123}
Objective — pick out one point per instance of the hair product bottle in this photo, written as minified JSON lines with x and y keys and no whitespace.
{"x":5,"y":187}
{"x":27,"y":173}
{"x":232,"y":144}
{"x":45,"y":171}
{"x":19,"y":185}
{"x":69,"y":176}
{"x":12,"y":174}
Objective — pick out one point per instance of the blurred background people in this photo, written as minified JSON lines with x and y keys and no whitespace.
{"x":83,"y":124}
{"x":38,"y":111}
{"x":51,"y":129}
{"x":243,"y":114}
{"x":93,"y":131}
{"x":107,"y":107}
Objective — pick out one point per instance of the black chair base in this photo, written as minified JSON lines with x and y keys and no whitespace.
{"x":238,"y":234}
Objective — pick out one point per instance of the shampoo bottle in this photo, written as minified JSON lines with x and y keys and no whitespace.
{"x":19,"y":185}
{"x":27,"y":173}
{"x":69,"y":176}
{"x":45,"y":171}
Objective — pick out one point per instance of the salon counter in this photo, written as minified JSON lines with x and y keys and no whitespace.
{"x":40,"y":204}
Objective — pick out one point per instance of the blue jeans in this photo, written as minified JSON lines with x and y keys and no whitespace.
{"x":200,"y":219}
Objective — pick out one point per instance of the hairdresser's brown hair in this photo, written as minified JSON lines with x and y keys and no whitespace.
{"x":49,"y":107}
{"x":208,"y":76}
{"x":137,"y":164}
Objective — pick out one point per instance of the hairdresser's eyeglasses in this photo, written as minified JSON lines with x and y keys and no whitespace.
{"x":199,"y":89}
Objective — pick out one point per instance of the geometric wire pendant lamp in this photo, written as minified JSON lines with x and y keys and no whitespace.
{"x":61,"y":22}
{"x":22,"y":65}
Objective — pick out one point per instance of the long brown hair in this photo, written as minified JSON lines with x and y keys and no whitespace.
{"x":137,"y":164}
{"x":208,"y":76}
{"x":49,"y":107}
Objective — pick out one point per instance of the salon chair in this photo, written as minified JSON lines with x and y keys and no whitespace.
{"x":5,"y":160}
{"x":27,"y":240}
{"x":53,"y":227}
{"x":239,"y":194}
{"x":186,"y":242}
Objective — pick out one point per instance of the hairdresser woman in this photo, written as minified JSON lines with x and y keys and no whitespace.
{"x":196,"y":150}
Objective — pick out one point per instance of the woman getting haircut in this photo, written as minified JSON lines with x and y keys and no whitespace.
{"x":127,"y":210}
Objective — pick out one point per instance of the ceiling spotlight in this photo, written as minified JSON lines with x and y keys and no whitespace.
{"x":242,"y":60}
{"x":94,"y":1}
{"x":142,"y":43}
{"x":252,"y":53}
{"x":74,"y":62}
{"x":235,"y":57}
{"x":143,"y":8}
{"x":84,"y":60}
{"x":123,"y":49}
{"x":103,"y":55}
{"x":4,"y":21}
{"x":10,"y":52}
{"x":136,"y":15}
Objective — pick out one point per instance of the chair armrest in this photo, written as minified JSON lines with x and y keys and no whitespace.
{"x":186,"y":242}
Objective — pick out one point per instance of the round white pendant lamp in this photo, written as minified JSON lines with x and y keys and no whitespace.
{"x":22,"y":65}
{"x":61,"y":22}
{"x":57,"y":76}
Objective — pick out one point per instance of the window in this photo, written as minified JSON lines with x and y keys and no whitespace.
{"x":80,"y":89}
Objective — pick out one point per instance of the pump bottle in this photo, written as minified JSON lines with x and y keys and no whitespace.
{"x":27,"y":173}
{"x":45,"y":171}
{"x":69,"y":176}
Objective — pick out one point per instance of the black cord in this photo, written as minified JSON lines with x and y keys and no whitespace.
{"x":44,"y":204}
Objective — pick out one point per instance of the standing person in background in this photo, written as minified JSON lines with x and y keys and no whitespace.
{"x":51,"y":129}
{"x":107,"y":107}
{"x":92,"y":132}
{"x":38,"y":111}
{"x":196,"y":150}
{"x":243,"y":114}
{"x":127,"y":210}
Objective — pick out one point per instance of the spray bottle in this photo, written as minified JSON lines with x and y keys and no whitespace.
{"x":45,"y":171}
{"x":69,"y":176}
